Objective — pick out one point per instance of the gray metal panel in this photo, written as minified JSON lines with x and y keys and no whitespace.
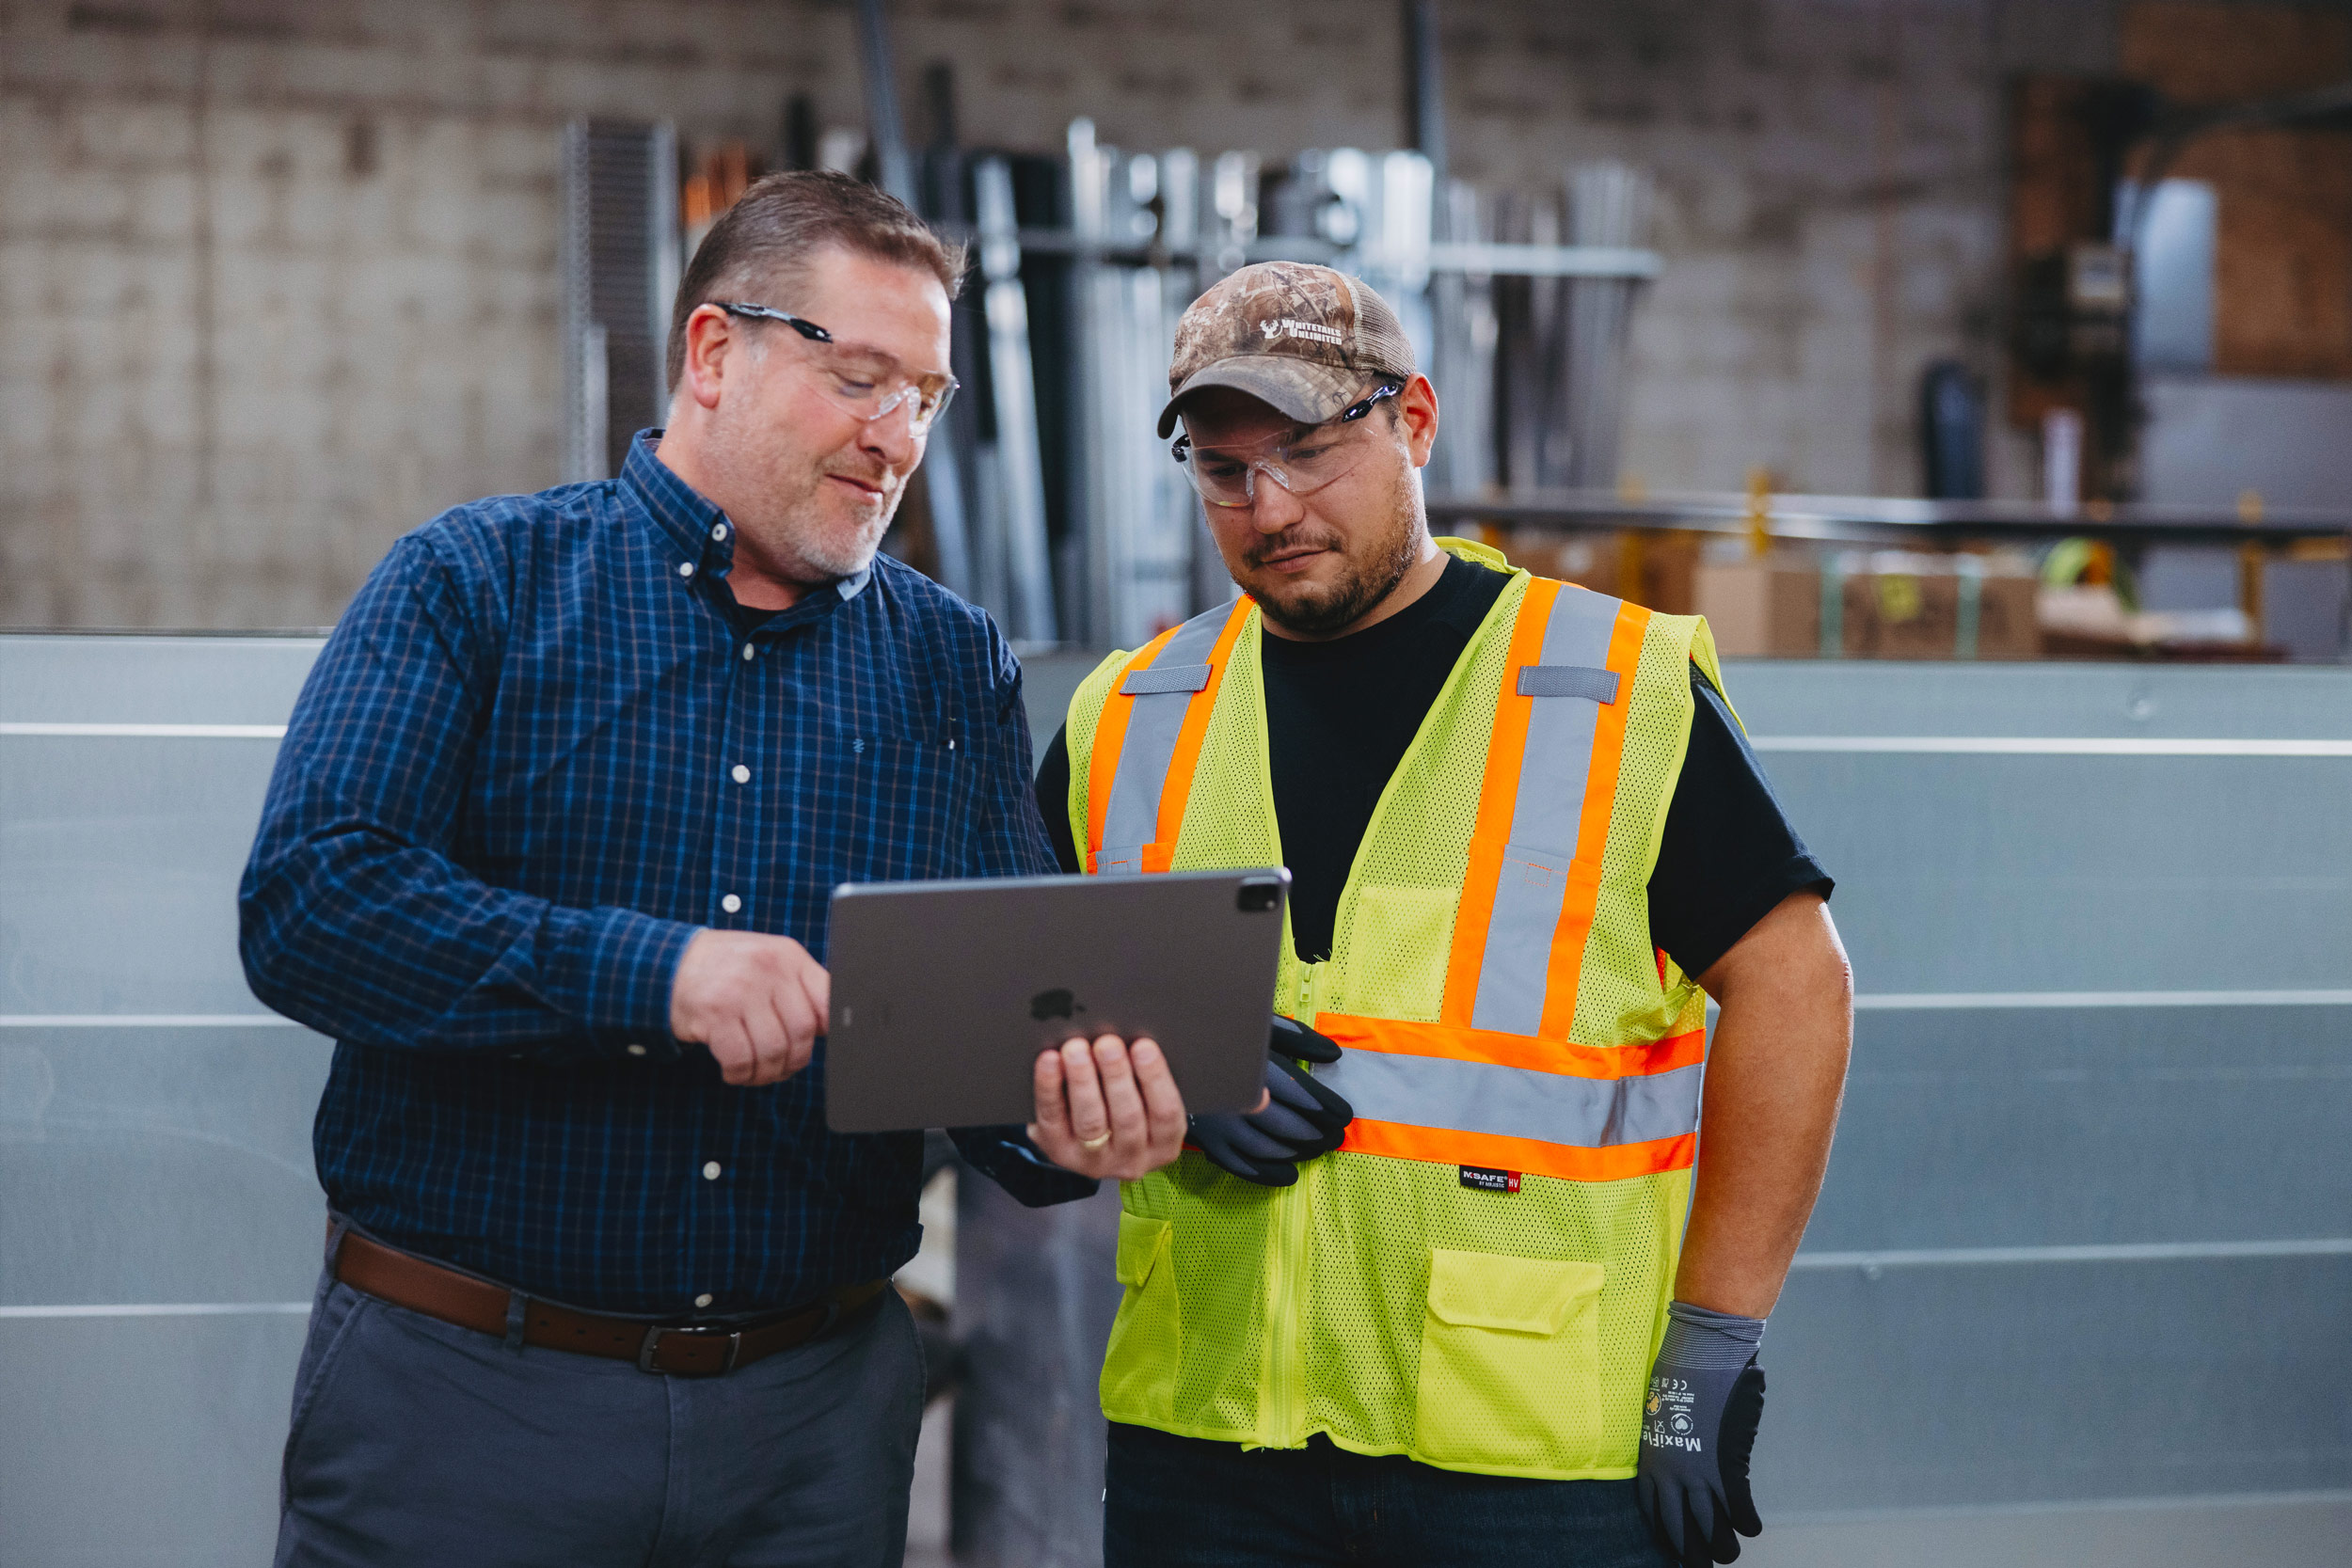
{"x":119,"y":865}
{"x":2071,"y":873}
{"x":1858,"y":697}
{"x":2052,"y":1126}
{"x":157,"y":1166}
{"x":143,"y":1443}
{"x":160,"y":1219}
{"x":2209,"y":438}
{"x":171,"y":680}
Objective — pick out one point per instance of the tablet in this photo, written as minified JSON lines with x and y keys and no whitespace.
{"x":944,"y":992}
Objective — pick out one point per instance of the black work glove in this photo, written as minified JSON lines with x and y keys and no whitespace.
{"x":1698,"y":1426}
{"x":1302,"y":1118}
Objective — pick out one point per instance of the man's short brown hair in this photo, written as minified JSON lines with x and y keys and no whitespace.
{"x":762,"y":244}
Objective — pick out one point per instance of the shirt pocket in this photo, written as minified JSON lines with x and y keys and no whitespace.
{"x":891,"y":808}
{"x":1510,"y":1364}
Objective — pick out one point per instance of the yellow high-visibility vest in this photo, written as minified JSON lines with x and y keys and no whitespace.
{"x":1479,"y":1278}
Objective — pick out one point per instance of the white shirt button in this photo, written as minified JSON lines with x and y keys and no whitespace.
{"x":750,"y":652}
{"x":635,"y":1049}
{"x":718,"y":530}
{"x":730,"y":903}
{"x":703,"y":1300}
{"x":686,"y":568}
{"x":711,"y":1171}
{"x":742,"y":774}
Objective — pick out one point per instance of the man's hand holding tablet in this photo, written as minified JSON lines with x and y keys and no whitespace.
{"x":1107,"y":1109}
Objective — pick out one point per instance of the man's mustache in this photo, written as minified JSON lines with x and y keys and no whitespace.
{"x":884,"y":481}
{"x":1288,"y":542}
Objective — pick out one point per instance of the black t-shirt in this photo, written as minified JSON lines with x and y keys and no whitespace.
{"x":1341,"y":714}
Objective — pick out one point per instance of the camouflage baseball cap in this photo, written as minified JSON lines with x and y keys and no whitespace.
{"x":1303,"y":339}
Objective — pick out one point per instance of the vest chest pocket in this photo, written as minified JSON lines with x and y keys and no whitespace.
{"x":1147,"y":1340}
{"x":1396,"y":943}
{"x":1510,"y":1363}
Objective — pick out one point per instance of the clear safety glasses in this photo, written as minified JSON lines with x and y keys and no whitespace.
{"x":868,"y":384}
{"x":1301,"y":463}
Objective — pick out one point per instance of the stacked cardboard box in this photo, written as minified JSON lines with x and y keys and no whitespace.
{"x":1655,"y":569}
{"x":1881,"y":604}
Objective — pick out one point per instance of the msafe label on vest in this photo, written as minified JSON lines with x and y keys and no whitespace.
{"x":1486,"y":1180}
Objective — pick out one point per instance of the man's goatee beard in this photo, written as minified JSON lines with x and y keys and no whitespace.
{"x":1355,"y":598}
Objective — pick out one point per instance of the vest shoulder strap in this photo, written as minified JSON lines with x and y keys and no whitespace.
{"x":1148,"y":712}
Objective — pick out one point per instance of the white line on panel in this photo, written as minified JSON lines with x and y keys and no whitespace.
{"x":163,"y":1309}
{"x":2052,"y":746}
{"x":1928,"y":1002}
{"x":2125,"y":1252}
{"x":148,"y":732}
{"x":146,"y":1021}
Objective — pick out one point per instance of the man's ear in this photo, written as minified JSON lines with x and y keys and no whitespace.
{"x":710,"y":340}
{"x":1417,"y":414}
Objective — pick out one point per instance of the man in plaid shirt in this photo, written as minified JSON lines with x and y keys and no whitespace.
{"x":547,"y":853}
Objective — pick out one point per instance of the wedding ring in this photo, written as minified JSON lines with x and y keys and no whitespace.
{"x":1090,"y":1145}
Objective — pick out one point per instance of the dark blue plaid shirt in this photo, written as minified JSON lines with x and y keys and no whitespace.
{"x":535,"y":756}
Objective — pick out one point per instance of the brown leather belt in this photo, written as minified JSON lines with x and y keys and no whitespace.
{"x":406,"y":1280}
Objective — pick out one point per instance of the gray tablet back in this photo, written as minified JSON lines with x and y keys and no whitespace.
{"x":944,"y":992}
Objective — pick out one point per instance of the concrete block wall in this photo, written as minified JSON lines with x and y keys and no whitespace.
{"x":277,"y":279}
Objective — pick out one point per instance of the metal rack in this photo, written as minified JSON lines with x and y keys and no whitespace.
{"x":1145,"y":233}
{"x":1884,"y":519}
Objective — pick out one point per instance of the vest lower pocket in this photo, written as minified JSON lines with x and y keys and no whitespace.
{"x":1148,"y":1339}
{"x":1510,"y":1364}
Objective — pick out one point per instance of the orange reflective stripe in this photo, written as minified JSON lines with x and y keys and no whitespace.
{"x":1110,"y":733}
{"x":1400,"y":1037}
{"x":1592,"y":836}
{"x":1497,"y":795}
{"x":1178,"y":789}
{"x":1399,"y":1141}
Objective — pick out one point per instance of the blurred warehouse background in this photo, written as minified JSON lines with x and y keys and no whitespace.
{"x":1930,"y":347}
{"x":280,"y":281}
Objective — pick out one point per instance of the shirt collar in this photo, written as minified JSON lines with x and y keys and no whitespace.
{"x":701,"y":532}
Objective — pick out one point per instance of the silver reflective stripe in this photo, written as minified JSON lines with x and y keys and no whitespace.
{"x":1162,"y":677}
{"x":1517,"y":1103}
{"x":1568,"y":680}
{"x":1132,"y":819}
{"x":1544,"y":820}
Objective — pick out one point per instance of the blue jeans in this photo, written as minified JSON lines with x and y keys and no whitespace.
{"x":416,"y":1444}
{"x":1180,"y":1502}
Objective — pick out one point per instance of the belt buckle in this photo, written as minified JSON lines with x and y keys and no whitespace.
{"x":652,"y":1347}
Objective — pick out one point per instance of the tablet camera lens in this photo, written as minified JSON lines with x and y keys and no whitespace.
{"x":1258,"y":897}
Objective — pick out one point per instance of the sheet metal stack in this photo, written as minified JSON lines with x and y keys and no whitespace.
{"x":1526,"y":340}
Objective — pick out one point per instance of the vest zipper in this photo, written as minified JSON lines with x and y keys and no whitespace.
{"x":1287,"y":1264}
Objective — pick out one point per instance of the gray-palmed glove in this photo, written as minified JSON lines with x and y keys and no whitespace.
{"x":1698,"y":1426}
{"x":1302,"y":1118}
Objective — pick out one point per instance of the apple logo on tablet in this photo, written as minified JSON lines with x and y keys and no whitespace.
{"x":1058,"y":1003}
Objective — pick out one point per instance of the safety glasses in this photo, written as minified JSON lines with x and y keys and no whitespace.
{"x":1301,"y":463}
{"x":868,"y":384}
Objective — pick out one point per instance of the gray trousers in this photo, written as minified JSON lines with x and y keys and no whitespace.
{"x":415,"y":1442}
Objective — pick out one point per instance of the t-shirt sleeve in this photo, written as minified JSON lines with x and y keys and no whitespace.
{"x":1729,"y":854}
{"x":1053,"y":801}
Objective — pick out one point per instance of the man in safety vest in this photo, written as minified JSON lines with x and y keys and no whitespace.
{"x":1528,"y":841}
